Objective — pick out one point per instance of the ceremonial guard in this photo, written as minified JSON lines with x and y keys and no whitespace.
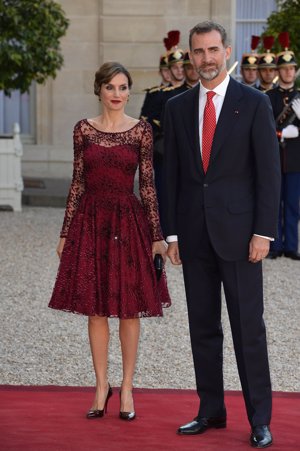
{"x":171,"y":69}
{"x":266,"y":66}
{"x":149,"y":106}
{"x":285,"y":99}
{"x":191,"y":75}
{"x":155,"y":99}
{"x":190,"y":80}
{"x":164,"y":67}
{"x":175,"y":59}
{"x":249,"y":64}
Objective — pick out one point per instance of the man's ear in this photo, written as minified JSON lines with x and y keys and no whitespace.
{"x":228,"y":52}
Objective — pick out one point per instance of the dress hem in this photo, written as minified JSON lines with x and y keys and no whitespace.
{"x":134,"y":316}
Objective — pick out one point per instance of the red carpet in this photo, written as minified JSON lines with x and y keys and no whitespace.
{"x":53,"y":419}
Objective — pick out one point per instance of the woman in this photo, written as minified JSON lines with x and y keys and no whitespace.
{"x":109,"y":238}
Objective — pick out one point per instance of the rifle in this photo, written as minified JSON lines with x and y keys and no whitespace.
{"x":287,"y":115}
{"x":232,"y":67}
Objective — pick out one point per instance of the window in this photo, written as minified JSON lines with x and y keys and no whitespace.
{"x":18,"y":108}
{"x":251,"y":18}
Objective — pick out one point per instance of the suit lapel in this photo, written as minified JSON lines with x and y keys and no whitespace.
{"x":228,"y":117}
{"x":191,"y":123}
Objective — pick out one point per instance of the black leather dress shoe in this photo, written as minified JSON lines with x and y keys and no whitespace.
{"x":200,"y":425}
{"x":261,"y":437}
{"x":274,"y":254}
{"x":292,"y":254}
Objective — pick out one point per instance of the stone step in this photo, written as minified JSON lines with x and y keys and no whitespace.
{"x":45,"y":192}
{"x":49,"y":192}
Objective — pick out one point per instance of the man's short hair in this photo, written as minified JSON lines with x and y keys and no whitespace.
{"x":206,"y":27}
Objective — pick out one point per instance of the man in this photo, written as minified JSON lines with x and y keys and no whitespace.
{"x":266,"y":66}
{"x":288,"y":134}
{"x":148,"y":110}
{"x":223,"y":210}
{"x":266,"y":76}
{"x":249,"y":76}
{"x":249,"y":64}
{"x":191,"y":80}
{"x":171,"y":71}
{"x":191,"y":75}
{"x":164,"y":71}
{"x":154,"y":103}
{"x":175,"y":60}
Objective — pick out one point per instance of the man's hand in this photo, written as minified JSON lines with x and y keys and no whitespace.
{"x":173,"y":253}
{"x":258,"y":248}
{"x":296,"y":107}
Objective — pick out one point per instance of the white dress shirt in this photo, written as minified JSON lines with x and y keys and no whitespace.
{"x":218,"y":100}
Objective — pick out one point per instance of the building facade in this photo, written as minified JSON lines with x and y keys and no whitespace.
{"x":128,"y":31}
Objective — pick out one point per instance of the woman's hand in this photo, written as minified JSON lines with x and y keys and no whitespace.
{"x":160,"y":247}
{"x":60,"y":247}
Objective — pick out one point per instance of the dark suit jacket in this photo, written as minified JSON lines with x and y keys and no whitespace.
{"x":239,"y":194}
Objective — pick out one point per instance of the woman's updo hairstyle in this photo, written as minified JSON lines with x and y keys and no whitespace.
{"x":106,"y":72}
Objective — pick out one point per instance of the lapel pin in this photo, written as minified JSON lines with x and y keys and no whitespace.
{"x":236,"y":111}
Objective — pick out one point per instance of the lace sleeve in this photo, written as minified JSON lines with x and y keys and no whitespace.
{"x":77,"y":185}
{"x":146,"y":184}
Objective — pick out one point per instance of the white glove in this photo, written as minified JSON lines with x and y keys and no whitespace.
{"x":291,"y":131}
{"x":296,"y":107}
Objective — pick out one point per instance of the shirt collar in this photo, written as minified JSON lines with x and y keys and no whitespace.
{"x":219,"y":90}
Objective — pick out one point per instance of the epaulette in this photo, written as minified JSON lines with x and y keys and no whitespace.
{"x":144,"y":118}
{"x":152,"y":87}
{"x":156,"y":122}
{"x":155,"y":89}
{"x":286,"y":90}
{"x":169,"y":88}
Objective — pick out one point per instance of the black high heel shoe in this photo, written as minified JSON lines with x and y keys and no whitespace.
{"x":95,"y":413}
{"x":127,"y":416}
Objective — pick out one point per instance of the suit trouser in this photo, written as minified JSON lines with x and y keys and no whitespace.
{"x":242,"y":282}
{"x":289,"y":214}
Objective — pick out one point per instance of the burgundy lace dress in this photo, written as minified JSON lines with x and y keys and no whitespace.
{"x":106,"y":266}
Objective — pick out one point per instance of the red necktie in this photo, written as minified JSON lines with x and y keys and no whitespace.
{"x":208,"y":130}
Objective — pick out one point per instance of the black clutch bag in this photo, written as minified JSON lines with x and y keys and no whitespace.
{"x":158,"y":265}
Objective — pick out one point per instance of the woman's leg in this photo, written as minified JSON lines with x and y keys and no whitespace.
{"x":129,"y":332}
{"x":99,"y":339}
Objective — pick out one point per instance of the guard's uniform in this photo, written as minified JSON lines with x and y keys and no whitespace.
{"x":287,"y":241}
{"x":151,"y":108}
{"x":152,"y":113}
{"x":263,"y":89}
